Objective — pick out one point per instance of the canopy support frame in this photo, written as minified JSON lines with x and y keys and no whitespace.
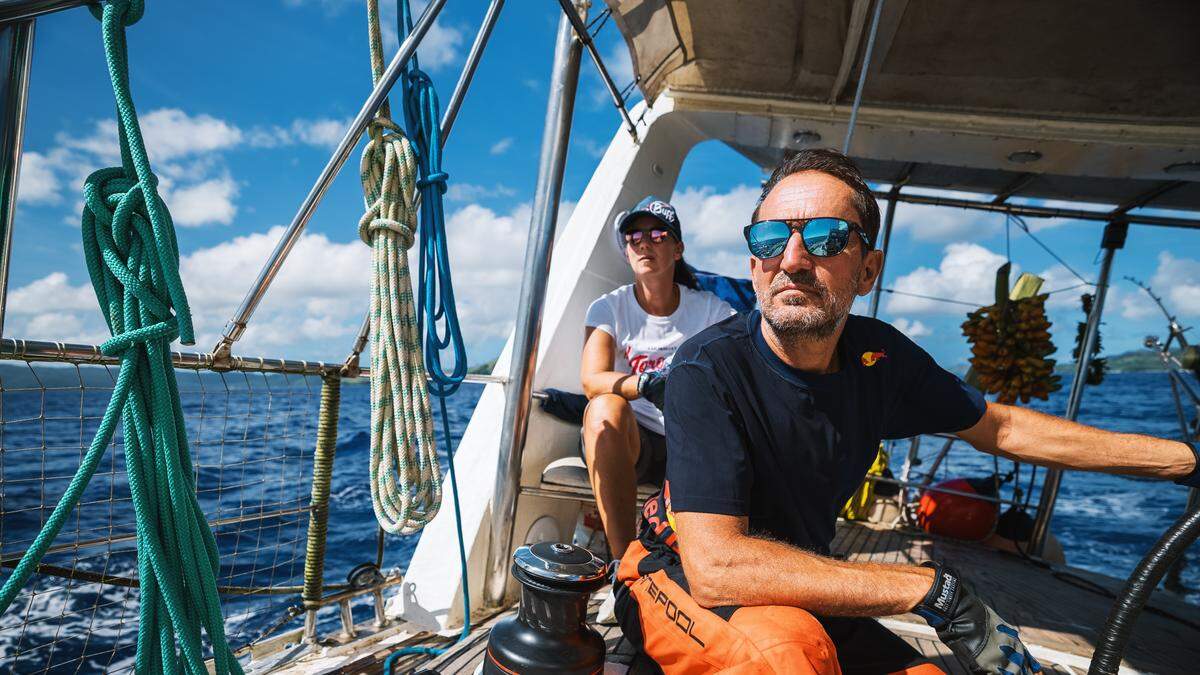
{"x":1113,"y":239}
{"x":886,"y":235}
{"x":585,"y":37}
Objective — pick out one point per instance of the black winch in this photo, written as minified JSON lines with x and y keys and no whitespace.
{"x":549,"y":634}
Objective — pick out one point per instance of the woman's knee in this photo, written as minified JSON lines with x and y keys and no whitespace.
{"x":606,"y":412}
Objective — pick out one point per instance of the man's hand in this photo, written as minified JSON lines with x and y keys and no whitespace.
{"x":975,"y":633}
{"x":652,"y":386}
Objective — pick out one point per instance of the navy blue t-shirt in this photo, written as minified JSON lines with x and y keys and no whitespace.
{"x":748,"y":435}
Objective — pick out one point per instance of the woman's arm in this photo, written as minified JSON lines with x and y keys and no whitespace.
{"x":596,"y":370}
{"x":1030,"y":436}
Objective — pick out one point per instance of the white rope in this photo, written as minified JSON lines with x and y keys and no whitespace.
{"x":406,"y":480}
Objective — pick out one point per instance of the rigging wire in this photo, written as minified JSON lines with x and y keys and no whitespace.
{"x":1025,"y":228}
{"x":933,"y":298}
{"x":601,"y":19}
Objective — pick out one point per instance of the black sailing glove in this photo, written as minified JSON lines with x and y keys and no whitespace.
{"x":652,"y":386}
{"x":977,"y":636}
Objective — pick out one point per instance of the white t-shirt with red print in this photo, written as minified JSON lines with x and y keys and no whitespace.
{"x":645,"y":342}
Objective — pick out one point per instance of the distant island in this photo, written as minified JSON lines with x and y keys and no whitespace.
{"x":1136,"y":361}
{"x":483,"y":368}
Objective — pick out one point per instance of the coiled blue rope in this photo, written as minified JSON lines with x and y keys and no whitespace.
{"x":437,"y":316}
{"x":436,"y":313}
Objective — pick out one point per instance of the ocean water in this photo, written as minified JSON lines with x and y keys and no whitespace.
{"x":254,"y":438}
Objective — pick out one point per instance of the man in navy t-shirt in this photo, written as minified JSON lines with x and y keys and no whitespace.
{"x":772,"y":420}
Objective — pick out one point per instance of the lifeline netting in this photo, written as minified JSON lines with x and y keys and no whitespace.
{"x":251,"y":437}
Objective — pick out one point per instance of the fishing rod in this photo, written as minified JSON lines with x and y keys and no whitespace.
{"x":1187,"y":360}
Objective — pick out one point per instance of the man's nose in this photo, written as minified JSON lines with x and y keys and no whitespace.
{"x":795,"y":257}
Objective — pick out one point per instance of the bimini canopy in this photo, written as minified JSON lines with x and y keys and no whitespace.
{"x":1096,"y":101}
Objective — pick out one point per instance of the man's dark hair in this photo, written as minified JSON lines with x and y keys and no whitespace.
{"x":839,"y":166}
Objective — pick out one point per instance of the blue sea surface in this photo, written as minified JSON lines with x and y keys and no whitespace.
{"x":255,"y":441}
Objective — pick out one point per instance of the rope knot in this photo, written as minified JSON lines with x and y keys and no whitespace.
{"x":128,"y":11}
{"x":436,"y":179}
{"x":381,"y":125}
{"x":369,"y":225}
{"x":119,"y":344}
{"x":126,"y":260}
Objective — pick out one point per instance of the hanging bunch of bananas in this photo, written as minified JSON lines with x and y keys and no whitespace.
{"x":1097,"y":367}
{"x":1010,"y":343}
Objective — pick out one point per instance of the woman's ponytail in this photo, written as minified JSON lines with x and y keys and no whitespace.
{"x":684,"y":276}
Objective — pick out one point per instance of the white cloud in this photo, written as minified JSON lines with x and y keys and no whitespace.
{"x":913,"y":329}
{"x":320,"y":132}
{"x":51,"y":293}
{"x":208,"y":202}
{"x":1058,"y":278}
{"x":38,"y":183}
{"x":712,"y":227}
{"x":941,"y":224}
{"x":316,"y":304}
{"x":501,"y":146}
{"x":469,"y":192}
{"x":1134,"y":304}
{"x":440,"y":47}
{"x":170,"y":134}
{"x":322,"y":284}
{"x":590,"y":146}
{"x":1178,"y":281}
{"x":967,"y":273}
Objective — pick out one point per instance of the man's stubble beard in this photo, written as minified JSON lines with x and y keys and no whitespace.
{"x":820,"y":319}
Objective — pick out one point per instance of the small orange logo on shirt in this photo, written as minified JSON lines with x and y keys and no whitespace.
{"x":870,"y":358}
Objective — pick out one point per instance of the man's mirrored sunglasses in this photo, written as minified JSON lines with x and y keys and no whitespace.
{"x":822,"y":237}
{"x":635,"y":237}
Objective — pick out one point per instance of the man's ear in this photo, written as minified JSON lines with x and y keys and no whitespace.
{"x":872,"y":265}
{"x":679,"y":250}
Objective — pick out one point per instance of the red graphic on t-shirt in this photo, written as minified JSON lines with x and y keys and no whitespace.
{"x":641,"y":363}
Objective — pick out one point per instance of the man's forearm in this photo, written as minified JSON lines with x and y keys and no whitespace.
{"x":753,"y":571}
{"x":1034,"y":437}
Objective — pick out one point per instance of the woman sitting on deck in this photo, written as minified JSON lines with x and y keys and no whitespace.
{"x":631,"y":335}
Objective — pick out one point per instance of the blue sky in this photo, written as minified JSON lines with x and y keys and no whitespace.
{"x":242,"y":102}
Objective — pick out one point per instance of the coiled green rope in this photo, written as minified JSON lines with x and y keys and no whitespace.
{"x":406,"y":481}
{"x":133,"y":260}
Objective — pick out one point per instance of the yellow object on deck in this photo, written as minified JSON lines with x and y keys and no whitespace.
{"x":858,"y":507}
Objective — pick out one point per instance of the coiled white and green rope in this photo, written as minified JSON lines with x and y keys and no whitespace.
{"x":406,"y":481}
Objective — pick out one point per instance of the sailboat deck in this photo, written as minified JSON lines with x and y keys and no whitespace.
{"x":1059,"y":610}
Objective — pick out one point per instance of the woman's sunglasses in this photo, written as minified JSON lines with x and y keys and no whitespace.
{"x":635,"y":237}
{"x":822,"y":237}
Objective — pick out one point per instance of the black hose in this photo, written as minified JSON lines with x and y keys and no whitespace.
{"x":1118,"y":629}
